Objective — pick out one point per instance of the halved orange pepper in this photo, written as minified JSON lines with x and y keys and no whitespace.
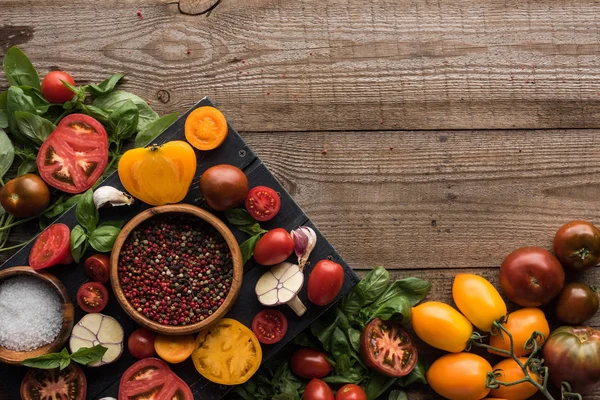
{"x":174,"y":349}
{"x":206,"y":128}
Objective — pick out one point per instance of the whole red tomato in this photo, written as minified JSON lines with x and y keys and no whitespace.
{"x":325,"y":282}
{"x":531,"y":276}
{"x":25,"y":196}
{"x":309,"y":363}
{"x":351,"y":392}
{"x":54,"y":90}
{"x":274,"y":247}
{"x":224,"y":186}
{"x":141,"y":343}
{"x":577,"y":245}
{"x":571,"y":355}
{"x":576,"y":303}
{"x":318,"y":390}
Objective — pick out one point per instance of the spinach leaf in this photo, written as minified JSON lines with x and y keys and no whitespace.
{"x":354,"y":338}
{"x":77,"y":242}
{"x":113,"y":100}
{"x":27,"y":165}
{"x":153,"y":129}
{"x":395,"y":308}
{"x":7,"y":153}
{"x":86,"y":212}
{"x":339,"y":344}
{"x":378,"y":384}
{"x":19,"y":70}
{"x":417,"y":375}
{"x":324,"y":327}
{"x":124,"y":120}
{"x":103,"y":238}
{"x":247,"y":247}
{"x":366,"y":291}
{"x":414,"y":289}
{"x":34,"y":127}
{"x":397,"y":395}
{"x":39,"y":101}
{"x":3,"y":112}
{"x":17,"y":100}
{"x":95,"y":112}
{"x":104,"y":87}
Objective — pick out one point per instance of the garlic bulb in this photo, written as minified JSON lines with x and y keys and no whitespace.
{"x":280,"y":285}
{"x":109,"y":195}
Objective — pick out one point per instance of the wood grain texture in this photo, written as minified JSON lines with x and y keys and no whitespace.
{"x":336,"y":65}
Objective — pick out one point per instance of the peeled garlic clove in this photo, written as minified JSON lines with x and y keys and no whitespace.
{"x":305,"y":240}
{"x":110,"y":195}
{"x":98,"y":329}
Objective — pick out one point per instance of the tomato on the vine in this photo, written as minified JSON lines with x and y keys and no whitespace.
{"x":269,"y":326}
{"x":509,"y":371}
{"x":25,"y":196}
{"x":273,"y":247}
{"x":350,"y":391}
{"x":318,"y":390}
{"x":521,"y":324}
{"x":309,"y":363}
{"x":263,"y":203}
{"x":92,"y":297}
{"x":54,"y":90}
{"x":577,"y":245}
{"x":325,"y":282}
{"x":460,"y":376}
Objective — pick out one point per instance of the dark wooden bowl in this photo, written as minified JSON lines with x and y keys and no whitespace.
{"x":236,"y":256}
{"x":16,"y":357}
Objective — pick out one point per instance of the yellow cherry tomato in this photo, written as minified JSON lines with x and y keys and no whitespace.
{"x":478,"y":300}
{"x":227,"y":353}
{"x":521,"y":324}
{"x":174,"y":349}
{"x":433,"y":317}
{"x":459,"y":376}
{"x":510,"y":371}
{"x":206,"y":128}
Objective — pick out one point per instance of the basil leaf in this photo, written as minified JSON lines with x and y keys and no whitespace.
{"x":324,"y":327}
{"x":104,"y":87}
{"x":86,"y":212}
{"x":247,"y":247}
{"x":17,"y":100}
{"x":7,"y":153}
{"x":397,"y":395}
{"x":34,"y":127}
{"x":378,"y":384}
{"x":77,"y":242}
{"x":116,"y":224}
{"x":366,"y":291}
{"x":63,"y":206}
{"x":124,"y":120}
{"x":3,"y":112}
{"x":153,"y":129}
{"x":19,"y":70}
{"x":396,"y":308}
{"x":64,"y":363}
{"x":112,"y":101}
{"x":354,"y":339}
{"x":339,"y":344}
{"x":414,"y":289}
{"x":240,"y":218}
{"x":103,"y":238}
{"x":96,"y":112}
{"x":86,"y":355}
{"x":417,"y":375}
{"x":27,"y":165}
{"x":47,"y":361}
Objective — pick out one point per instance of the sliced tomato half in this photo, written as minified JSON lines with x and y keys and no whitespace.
{"x":75,"y":155}
{"x":152,"y":379}
{"x":51,"y":247}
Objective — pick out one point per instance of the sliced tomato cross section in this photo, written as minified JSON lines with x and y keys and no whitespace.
{"x":152,"y":379}
{"x":75,"y":155}
{"x":51,"y":247}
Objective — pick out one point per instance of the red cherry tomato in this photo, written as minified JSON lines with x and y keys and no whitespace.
{"x":325,"y":282}
{"x":51,"y":247}
{"x":54,"y":90}
{"x":96,"y":267}
{"x":263,"y":203}
{"x":269,"y":326}
{"x":318,"y":390}
{"x":274,"y":247}
{"x":577,"y":245}
{"x":351,"y":391}
{"x":141,"y":343}
{"x":92,"y":297}
{"x":309,"y":363}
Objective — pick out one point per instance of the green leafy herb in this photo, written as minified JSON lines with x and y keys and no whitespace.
{"x":78,"y":242}
{"x":104,"y":87}
{"x":124,"y":120}
{"x":3,"y":112}
{"x":17,"y":100}
{"x":247,"y":247}
{"x":240,"y":218}
{"x":366,"y":291}
{"x":34,"y":127}
{"x":27,"y":165}
{"x":7,"y":153}
{"x":62,"y":205}
{"x":86,"y":213}
{"x":153,"y":129}
{"x":397,"y":395}
{"x":114,"y":100}
{"x":103,"y":238}
{"x":19,"y":70}
{"x":62,"y":360}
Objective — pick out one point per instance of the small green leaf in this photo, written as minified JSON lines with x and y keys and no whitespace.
{"x":113,"y":100}
{"x":397,"y":395}
{"x":153,"y":129}
{"x":63,"y":206}
{"x":19,"y":70}
{"x":240,"y":218}
{"x":7,"y":153}
{"x":116,"y":224}
{"x":86,"y":212}
{"x":3,"y":112}
{"x":77,"y":242}
{"x":47,"y":361}
{"x":104,"y":87}
{"x":366,"y":291}
{"x":27,"y":165}
{"x":34,"y":127}
{"x":247,"y":247}
{"x":96,"y":112}
{"x":378,"y":384}
{"x":124,"y":120}
{"x":103,"y":238}
{"x":17,"y":100}
{"x":86,"y":355}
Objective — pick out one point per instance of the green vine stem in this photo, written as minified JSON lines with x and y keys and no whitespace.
{"x":16,"y":246}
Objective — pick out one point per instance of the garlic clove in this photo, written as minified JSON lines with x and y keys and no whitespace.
{"x":108,"y":195}
{"x":305,"y":240}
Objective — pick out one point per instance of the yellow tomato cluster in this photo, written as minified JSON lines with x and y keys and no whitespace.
{"x":461,"y":375}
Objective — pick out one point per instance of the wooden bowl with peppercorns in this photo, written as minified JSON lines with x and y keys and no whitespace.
{"x":36,"y":314}
{"x":176,"y":269}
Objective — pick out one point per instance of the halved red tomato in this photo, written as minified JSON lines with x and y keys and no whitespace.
{"x":263,"y":203}
{"x":70,"y":383}
{"x":97,"y":266}
{"x":388,"y":348}
{"x":92,"y":297}
{"x":151,"y":379}
{"x":269,"y":326}
{"x":51,"y":247}
{"x":74,"y":156}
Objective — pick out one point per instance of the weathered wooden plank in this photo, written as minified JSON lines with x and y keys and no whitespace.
{"x":342,"y":64}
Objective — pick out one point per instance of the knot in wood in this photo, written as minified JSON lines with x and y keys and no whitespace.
{"x":163,"y":96}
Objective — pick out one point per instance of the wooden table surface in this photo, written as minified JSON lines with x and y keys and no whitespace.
{"x":430,"y":137}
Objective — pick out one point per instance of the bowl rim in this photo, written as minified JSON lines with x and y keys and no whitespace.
{"x":15,"y":357}
{"x":211,"y":219}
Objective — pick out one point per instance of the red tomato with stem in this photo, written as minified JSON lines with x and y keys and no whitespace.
{"x":97,"y":266}
{"x":309,"y":363}
{"x":325,"y":282}
{"x":52,"y":247}
{"x":351,"y":391}
{"x":577,"y":245}
{"x":75,"y":155}
{"x":318,"y":390}
{"x":269,"y":326}
{"x":263,"y":203}
{"x":274,"y":247}
{"x":92,"y":297}
{"x":141,"y":343}
{"x":54,"y":90}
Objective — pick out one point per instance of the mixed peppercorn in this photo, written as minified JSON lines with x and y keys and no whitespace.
{"x":175,"y":272}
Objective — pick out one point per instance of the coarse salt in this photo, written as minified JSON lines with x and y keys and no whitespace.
{"x":30,"y":313}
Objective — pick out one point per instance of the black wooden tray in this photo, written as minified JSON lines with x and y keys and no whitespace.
{"x":104,"y":381}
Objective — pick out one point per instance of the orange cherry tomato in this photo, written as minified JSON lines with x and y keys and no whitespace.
{"x":174,"y":349}
{"x":521,"y":324}
{"x":510,"y":371}
{"x":206,"y":128}
{"x":460,"y":376}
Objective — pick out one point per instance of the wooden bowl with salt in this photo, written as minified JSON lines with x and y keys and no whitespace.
{"x":189,"y":212}
{"x":14,"y":357}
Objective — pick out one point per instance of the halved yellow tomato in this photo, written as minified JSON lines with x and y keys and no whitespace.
{"x":478,"y":300}
{"x":206,"y":128}
{"x":227,"y":353}
{"x":174,"y":349}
